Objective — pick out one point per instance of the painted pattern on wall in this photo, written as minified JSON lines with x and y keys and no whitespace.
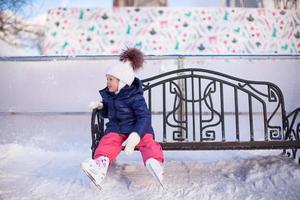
{"x":172,"y":31}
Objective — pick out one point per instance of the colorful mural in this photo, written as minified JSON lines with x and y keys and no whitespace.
{"x":172,"y":31}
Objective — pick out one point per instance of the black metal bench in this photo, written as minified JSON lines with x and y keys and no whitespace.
{"x":198,"y":109}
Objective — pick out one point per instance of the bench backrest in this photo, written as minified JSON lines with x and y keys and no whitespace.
{"x":202,"y":105}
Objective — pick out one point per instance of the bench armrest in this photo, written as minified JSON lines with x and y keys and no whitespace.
{"x":97,"y":128}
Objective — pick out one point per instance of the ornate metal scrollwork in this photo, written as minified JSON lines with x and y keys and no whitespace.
{"x":275,"y":133}
{"x":210,"y":88}
{"x":298,"y":132}
{"x":272,"y":94}
{"x":293,"y":132}
{"x":176,"y":117}
{"x":180,"y":133}
{"x":209,"y":135}
{"x":183,"y":88}
{"x":207,"y":98}
{"x":173,"y":117}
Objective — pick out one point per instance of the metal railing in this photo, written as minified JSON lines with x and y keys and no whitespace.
{"x":179,"y":57}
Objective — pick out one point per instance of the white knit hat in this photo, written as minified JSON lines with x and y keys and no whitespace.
{"x":131,"y":59}
{"x":122,"y":71}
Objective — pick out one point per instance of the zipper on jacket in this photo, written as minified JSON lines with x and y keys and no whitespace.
{"x":115,"y":113}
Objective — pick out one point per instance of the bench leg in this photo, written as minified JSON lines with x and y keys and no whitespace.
{"x":291,"y":153}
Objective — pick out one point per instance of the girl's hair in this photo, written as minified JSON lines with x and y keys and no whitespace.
{"x":134,"y":56}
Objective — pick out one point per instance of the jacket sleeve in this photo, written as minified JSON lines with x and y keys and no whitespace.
{"x":143,"y":116}
{"x":104,"y":111}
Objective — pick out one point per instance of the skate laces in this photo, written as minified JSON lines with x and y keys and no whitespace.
{"x":102,"y":162}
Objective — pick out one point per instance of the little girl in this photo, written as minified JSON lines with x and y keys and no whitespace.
{"x":129,"y":122}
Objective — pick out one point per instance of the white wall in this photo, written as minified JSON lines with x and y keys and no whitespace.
{"x":68,"y":86}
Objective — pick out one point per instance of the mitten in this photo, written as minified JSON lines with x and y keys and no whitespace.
{"x":95,"y":104}
{"x":130,"y":143}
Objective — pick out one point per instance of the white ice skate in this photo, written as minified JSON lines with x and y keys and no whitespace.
{"x":96,"y":169}
{"x":156,"y":169}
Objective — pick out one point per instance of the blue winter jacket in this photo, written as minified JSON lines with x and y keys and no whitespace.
{"x":127,"y":111}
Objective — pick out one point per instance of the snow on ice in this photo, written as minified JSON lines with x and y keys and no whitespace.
{"x":46,"y":165}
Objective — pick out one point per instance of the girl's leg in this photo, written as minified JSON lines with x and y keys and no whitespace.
{"x":110,"y":146}
{"x":149,"y":148}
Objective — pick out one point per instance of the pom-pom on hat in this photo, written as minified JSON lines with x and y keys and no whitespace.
{"x":131,"y":60}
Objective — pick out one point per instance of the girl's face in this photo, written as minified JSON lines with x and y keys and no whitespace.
{"x":112,"y":83}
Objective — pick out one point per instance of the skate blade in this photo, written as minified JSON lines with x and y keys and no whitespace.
{"x":155,"y":176}
{"x":92,"y":179}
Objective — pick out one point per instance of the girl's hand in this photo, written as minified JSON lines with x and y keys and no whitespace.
{"x":130,"y":143}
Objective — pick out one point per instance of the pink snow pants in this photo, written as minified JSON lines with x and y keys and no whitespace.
{"x":110,"y":146}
